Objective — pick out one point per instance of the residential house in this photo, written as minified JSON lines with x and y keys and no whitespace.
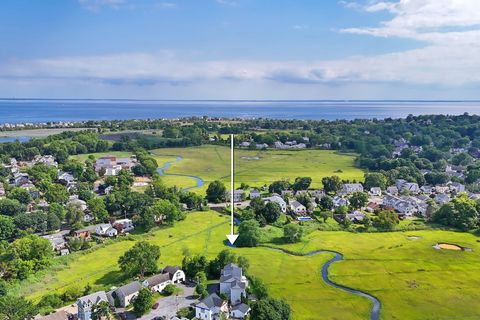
{"x":351,"y":188}
{"x":233,"y":283}
{"x":254,"y":193}
{"x":355,"y":216}
{"x":339,"y":201}
{"x":240,"y":311}
{"x":20,"y":179}
{"x":125,"y":294}
{"x":375,"y":191}
{"x":441,"y":189}
{"x":157,"y":282}
{"x":238,"y":195}
{"x":66,"y":179}
{"x":76,"y":201}
{"x":456,"y":187}
{"x":318,"y":193}
{"x":87,"y":218}
{"x":57,"y":241}
{"x":211,"y":308}
{"x":442,"y":198}
{"x":106,"y":230}
{"x":287,"y":193}
{"x":59,"y":315}
{"x":277,"y":199}
{"x":245,"y":144}
{"x":410,"y":187}
{"x":176,"y":274}
{"x":298,"y":208}
{"x":2,"y":190}
{"x":30,"y":187}
{"x":261,"y":146}
{"x":392,"y":190}
{"x":48,"y":160}
{"x":85,"y":304}
{"x":372,"y":206}
{"x":426,"y":189}
{"x":124,"y":225}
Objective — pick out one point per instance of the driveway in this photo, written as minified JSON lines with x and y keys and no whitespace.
{"x":168,"y":306}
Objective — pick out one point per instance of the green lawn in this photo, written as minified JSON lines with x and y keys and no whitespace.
{"x":120,"y":154}
{"x":411,"y":279}
{"x":213,"y":162}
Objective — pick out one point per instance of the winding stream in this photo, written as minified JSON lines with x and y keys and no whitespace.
{"x":199,"y":182}
{"x":374,"y":313}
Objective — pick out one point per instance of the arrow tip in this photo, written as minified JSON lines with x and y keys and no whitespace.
{"x":232,"y":238}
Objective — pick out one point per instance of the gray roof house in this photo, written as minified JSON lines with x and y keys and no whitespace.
{"x":211,"y":307}
{"x":125,"y":294}
{"x":86,"y":303}
{"x":240,"y":311}
{"x":254,"y":193}
{"x":233,"y":283}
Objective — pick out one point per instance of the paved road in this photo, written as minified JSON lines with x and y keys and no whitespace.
{"x":168,"y":306}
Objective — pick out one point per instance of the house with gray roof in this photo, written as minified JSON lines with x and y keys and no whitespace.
{"x":211,"y":308}
{"x":254,"y":193}
{"x":233,"y":283}
{"x":240,"y":311}
{"x":125,"y":294}
{"x":85,"y":304}
{"x":176,"y":274}
{"x":277,"y":199}
{"x":157,"y":282}
{"x":298,"y":208}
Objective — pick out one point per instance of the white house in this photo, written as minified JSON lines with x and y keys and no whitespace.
{"x":126,"y":225}
{"x":233,"y":283}
{"x":211,"y":307}
{"x":254,"y":193}
{"x":411,"y":187}
{"x":238,"y":195}
{"x":456,"y":187}
{"x":276,"y":198}
{"x":375,"y":191}
{"x":298,"y":208}
{"x":339,"y":201}
{"x":351,"y":188}
{"x":176,"y":274}
{"x":157,"y":282}
{"x":85,"y":304}
{"x":106,"y":230}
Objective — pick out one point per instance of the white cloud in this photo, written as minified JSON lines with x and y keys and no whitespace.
{"x":434,"y":21}
{"x":300,"y":27}
{"x":96,"y":5}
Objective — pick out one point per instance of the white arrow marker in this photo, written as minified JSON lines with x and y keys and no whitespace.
{"x":231,"y":237}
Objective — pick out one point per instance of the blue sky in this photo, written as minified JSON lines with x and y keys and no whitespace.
{"x":240,"y":49}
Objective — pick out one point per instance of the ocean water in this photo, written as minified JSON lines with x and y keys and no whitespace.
{"x":17,"y":111}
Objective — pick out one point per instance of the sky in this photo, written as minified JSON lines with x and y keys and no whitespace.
{"x":240,"y":49}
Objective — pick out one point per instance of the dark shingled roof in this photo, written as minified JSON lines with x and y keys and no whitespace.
{"x":157,"y":279}
{"x":242,"y":307}
{"x":131,"y":288}
{"x":170,"y":269}
{"x":211,"y":301}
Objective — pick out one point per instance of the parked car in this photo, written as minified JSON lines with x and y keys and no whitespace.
{"x":155,"y":306}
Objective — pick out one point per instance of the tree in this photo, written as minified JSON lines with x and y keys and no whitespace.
{"x":460,"y":213}
{"x":143,"y":302}
{"x":326,"y":203}
{"x":257,"y":205}
{"x":101,"y":310}
{"x":164,"y":208}
{"x":292,"y":233}
{"x":216,"y":192}
{"x":248,"y":234}
{"x":11,"y":207}
{"x":270,"y":309}
{"x":56,"y":193}
{"x":21,"y":195}
{"x":141,"y":259}
{"x":7,"y":228}
{"x":341,"y":210}
{"x":75,"y":214}
{"x":98,"y":209}
{"x":331,"y":184}
{"x":29,"y":254}
{"x":279,"y":186}
{"x":301,"y":183}
{"x":53,"y":222}
{"x":272,"y":212}
{"x":169,"y":289}
{"x":258,"y":287}
{"x":191,"y":200}
{"x":358,"y":200}
{"x":192,"y":265}
{"x":385,"y":220}
{"x":462,"y":159}
{"x":375,"y":179}
{"x":58,"y":210}
{"x":223,"y":258}
{"x":16,"y":308}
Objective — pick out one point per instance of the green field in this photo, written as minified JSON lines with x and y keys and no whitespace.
{"x":411,"y":279}
{"x":213,"y":162}
{"x":120,"y":154}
